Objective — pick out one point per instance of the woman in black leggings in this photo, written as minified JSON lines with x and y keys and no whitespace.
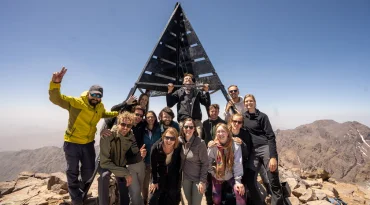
{"x":263,"y":152}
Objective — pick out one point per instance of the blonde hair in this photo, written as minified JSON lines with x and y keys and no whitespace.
{"x":125,"y":115}
{"x":223,"y":125}
{"x":252,"y":96}
{"x":172,"y":131}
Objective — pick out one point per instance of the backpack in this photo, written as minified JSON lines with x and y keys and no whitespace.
{"x":336,"y":201}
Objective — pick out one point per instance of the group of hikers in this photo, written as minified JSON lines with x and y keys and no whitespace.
{"x":153,"y":157}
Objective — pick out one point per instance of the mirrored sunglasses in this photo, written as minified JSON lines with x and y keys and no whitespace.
{"x":96,"y":95}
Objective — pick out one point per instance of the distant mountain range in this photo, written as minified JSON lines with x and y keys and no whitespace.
{"x":343,"y":149}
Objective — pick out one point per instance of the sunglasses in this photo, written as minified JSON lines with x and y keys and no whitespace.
{"x":96,"y":95}
{"x":126,"y":125}
{"x":170,"y":138}
{"x":237,"y":122}
{"x":188,"y":127}
{"x":138,"y":115}
{"x":233,"y":91}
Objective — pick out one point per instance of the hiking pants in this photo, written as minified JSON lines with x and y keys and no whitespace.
{"x":260,"y":157}
{"x":148,"y":176}
{"x":103,"y":188}
{"x":191,"y":192}
{"x":217,"y":192}
{"x":265,"y":180}
{"x":168,"y":197}
{"x":75,"y":154}
{"x":137,"y":172}
{"x":208,"y":192}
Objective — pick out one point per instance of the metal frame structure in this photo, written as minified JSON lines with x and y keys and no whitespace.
{"x":178,"y":51}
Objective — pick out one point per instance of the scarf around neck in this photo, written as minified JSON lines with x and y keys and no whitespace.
{"x":224,"y":157}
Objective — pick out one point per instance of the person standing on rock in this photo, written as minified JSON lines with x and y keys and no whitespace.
{"x":263,"y":153}
{"x":84,"y":114}
{"x":188,"y":100}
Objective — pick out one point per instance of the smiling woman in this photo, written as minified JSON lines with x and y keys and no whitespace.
{"x":165,"y":162}
{"x":225,"y":165}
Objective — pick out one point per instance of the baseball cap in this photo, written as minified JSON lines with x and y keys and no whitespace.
{"x":96,"y":89}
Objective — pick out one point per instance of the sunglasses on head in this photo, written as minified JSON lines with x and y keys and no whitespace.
{"x":237,"y":122}
{"x":233,"y":91}
{"x":138,"y":115}
{"x":96,"y":95}
{"x":170,"y":138}
{"x":126,"y":125}
{"x":188,"y":127}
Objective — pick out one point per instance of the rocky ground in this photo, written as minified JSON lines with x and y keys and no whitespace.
{"x":305,"y":188}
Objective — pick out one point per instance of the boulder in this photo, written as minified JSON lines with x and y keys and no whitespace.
{"x":21,"y":184}
{"x":58,"y":178}
{"x":27,"y":174}
{"x":332,"y":180}
{"x":311,"y":183}
{"x":292,"y":183}
{"x":330,"y":187}
{"x":299,"y":191}
{"x":6,"y":187}
{"x":293,"y":200}
{"x":309,"y":195}
{"x":323,"y":174}
{"x":325,"y":192}
{"x":42,"y":175}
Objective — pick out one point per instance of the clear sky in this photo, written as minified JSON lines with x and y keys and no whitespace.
{"x":303,"y":60}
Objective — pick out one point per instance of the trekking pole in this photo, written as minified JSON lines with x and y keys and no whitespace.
{"x":89,"y":182}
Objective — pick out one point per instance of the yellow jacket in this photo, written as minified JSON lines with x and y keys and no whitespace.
{"x":83,"y":117}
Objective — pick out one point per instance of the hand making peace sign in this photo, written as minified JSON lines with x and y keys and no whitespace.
{"x":58,"y":76}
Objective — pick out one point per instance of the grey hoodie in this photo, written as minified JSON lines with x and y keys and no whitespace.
{"x":237,"y":171}
{"x":195,"y":166}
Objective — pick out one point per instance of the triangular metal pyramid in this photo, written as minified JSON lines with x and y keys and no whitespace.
{"x":178,"y":51}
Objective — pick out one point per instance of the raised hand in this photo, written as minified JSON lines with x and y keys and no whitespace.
{"x":170,"y":87}
{"x":58,"y":76}
{"x":131,"y":99}
{"x":206,"y":87}
{"x":143,"y":151}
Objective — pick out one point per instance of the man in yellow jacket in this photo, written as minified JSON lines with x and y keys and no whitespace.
{"x":84,"y":114}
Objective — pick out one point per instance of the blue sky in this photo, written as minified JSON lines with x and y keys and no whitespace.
{"x":303,"y":60}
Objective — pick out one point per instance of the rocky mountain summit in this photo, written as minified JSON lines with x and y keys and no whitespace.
{"x":324,"y":159}
{"x":343,"y":149}
{"x":312,"y":188}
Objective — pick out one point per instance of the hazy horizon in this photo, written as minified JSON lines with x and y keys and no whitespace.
{"x":303,"y":60}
